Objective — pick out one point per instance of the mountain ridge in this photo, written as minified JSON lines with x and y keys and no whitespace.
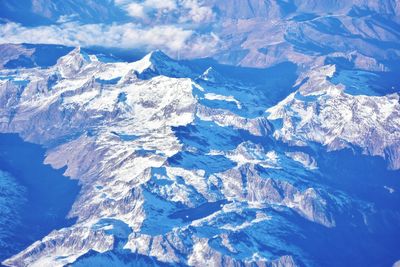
{"x":166,"y":158}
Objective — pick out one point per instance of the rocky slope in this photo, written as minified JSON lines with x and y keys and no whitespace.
{"x":320,"y":111}
{"x":176,"y":170}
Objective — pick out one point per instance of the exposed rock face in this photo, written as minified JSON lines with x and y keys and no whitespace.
{"x":324,"y":113}
{"x":245,"y":184}
{"x":175,"y":173}
{"x":262,"y":33}
{"x":256,"y":126}
{"x":303,"y":158}
{"x":10,"y":52}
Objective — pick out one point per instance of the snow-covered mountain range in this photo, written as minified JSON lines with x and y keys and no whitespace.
{"x":200,"y":133}
{"x":196,"y":163}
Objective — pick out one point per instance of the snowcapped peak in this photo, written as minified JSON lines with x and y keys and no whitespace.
{"x":211,"y":75}
{"x":76,"y":50}
{"x":318,"y":73}
{"x":158,"y":63}
{"x":156,"y":55}
{"x":70,"y":64}
{"x":150,"y":60}
{"x":317,"y":81}
{"x":76,"y":53}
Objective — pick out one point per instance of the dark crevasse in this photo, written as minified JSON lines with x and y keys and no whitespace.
{"x":34,"y":199}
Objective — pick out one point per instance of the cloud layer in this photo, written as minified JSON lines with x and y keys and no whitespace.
{"x":183,"y":11}
{"x":169,"y":25}
{"x":170,"y":38}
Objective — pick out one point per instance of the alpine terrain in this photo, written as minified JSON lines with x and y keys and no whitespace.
{"x":270,"y":136}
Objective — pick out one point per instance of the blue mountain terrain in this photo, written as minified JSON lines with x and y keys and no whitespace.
{"x":279,"y":147}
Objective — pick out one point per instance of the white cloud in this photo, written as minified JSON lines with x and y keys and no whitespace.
{"x":201,"y":46}
{"x":168,"y":38}
{"x":67,"y":18}
{"x":164,"y":4}
{"x":136,"y":10}
{"x":159,"y":24}
{"x":182,"y":11}
{"x":196,"y":12}
{"x":142,"y":9}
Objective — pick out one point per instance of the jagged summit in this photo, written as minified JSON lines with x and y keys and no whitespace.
{"x":211,"y":75}
{"x":74,"y":54}
{"x":339,"y":119}
{"x":150,"y":60}
{"x":158,"y":63}
{"x":72,"y":63}
{"x":158,"y":55}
